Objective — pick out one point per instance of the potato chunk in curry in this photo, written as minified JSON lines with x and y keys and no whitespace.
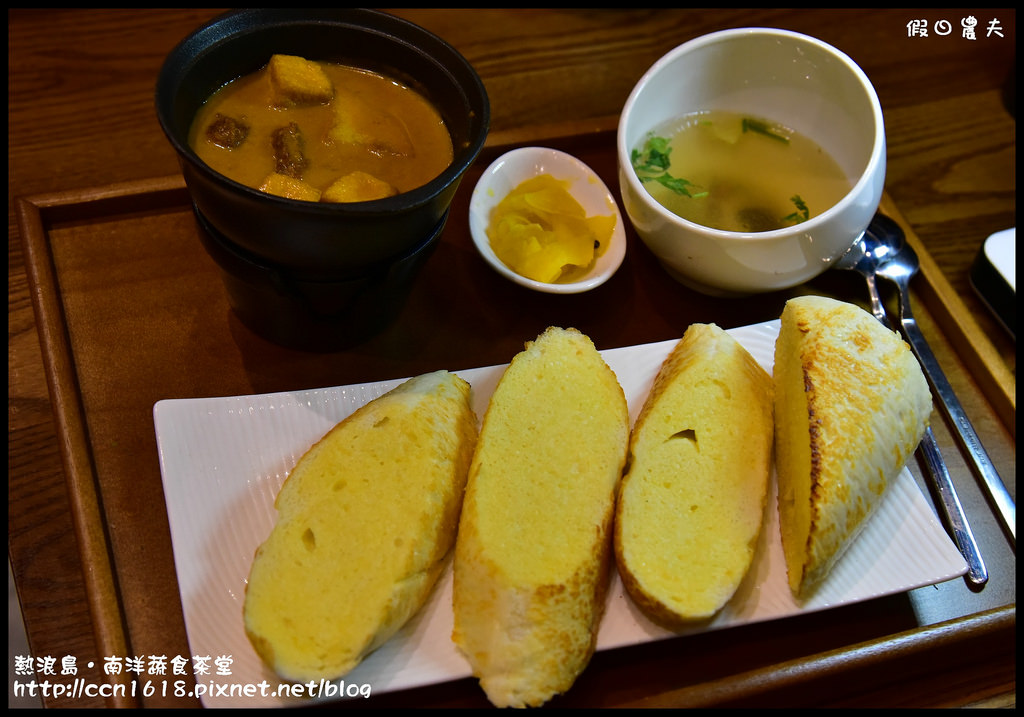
{"x":296,"y":80}
{"x":283,"y":185}
{"x":357,"y":187}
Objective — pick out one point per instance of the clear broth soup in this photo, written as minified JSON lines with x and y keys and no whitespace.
{"x":737,"y":173}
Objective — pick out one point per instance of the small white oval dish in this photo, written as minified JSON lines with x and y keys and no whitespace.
{"x":516,"y":166}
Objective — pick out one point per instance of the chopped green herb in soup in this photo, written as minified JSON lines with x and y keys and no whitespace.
{"x":737,"y":173}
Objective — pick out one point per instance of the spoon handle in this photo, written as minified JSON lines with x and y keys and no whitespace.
{"x":964,"y":430}
{"x":949,"y":502}
{"x":946,"y":496}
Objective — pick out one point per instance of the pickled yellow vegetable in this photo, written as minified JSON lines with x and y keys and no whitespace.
{"x":541,"y":232}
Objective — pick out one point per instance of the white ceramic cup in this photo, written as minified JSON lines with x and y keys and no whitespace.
{"x":785,"y":77}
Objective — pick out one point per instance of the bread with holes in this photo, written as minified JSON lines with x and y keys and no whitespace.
{"x":533,"y":553}
{"x":364,"y":522}
{"x":852,"y":404}
{"x":691,"y":504}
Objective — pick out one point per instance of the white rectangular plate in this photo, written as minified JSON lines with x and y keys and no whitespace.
{"x":224,"y":459}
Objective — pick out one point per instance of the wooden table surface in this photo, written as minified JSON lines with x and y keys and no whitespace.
{"x":80,"y":112}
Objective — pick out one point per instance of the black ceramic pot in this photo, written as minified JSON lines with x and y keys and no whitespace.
{"x":304,"y":311}
{"x":324,"y":241}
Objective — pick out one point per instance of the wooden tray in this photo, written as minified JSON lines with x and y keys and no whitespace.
{"x":130,"y":310}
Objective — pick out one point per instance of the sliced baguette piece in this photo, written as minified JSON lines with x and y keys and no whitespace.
{"x":691,"y":503}
{"x":533,"y":555}
{"x":851,"y":406}
{"x":364,"y":522}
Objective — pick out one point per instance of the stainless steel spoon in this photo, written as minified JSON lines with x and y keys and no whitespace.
{"x":864,"y":257}
{"x":899,"y":266}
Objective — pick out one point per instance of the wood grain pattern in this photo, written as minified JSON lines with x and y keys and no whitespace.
{"x":81,"y":121}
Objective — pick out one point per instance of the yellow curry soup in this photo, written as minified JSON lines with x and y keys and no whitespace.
{"x":321,"y":131}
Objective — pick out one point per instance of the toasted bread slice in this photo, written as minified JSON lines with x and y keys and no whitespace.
{"x":364,"y":522}
{"x":691,"y":504}
{"x":851,"y":405}
{"x":534,"y":547}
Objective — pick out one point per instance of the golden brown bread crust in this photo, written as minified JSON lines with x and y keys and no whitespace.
{"x":529,"y":642}
{"x":532,"y":557}
{"x":851,"y":406}
{"x":691,"y":504}
{"x":365,"y":520}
